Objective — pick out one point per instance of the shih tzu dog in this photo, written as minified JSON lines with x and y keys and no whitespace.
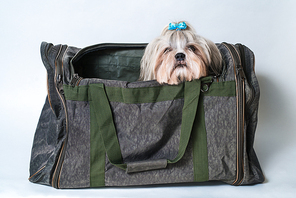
{"x":178,"y":55}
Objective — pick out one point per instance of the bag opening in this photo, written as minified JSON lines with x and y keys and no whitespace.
{"x":121,"y":63}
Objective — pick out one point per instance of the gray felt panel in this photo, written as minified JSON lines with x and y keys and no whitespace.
{"x":75,"y":172}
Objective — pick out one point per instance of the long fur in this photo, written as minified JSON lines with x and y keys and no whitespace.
{"x":159,"y":62}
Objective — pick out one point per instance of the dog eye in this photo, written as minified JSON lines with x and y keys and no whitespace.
{"x":167,"y":50}
{"x":192,"y":48}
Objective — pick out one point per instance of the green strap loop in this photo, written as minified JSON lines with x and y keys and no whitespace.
{"x":100,"y":105}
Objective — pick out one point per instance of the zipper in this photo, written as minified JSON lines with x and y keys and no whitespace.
{"x":240,"y":129}
{"x":59,"y":88}
{"x":242,"y":55}
{"x":240,"y":90}
{"x":48,"y":92}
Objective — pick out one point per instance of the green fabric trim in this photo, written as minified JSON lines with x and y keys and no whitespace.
{"x":227,"y":88}
{"x":145,"y":94}
{"x":148,"y":94}
{"x":78,"y":93}
{"x":200,"y":150}
{"x":128,"y":95}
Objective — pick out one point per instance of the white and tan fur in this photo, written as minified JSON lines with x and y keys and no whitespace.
{"x":179,"y":55}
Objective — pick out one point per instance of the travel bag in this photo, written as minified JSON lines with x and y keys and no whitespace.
{"x":100,"y":126}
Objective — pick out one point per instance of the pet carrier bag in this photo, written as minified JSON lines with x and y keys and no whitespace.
{"x":101,"y":127}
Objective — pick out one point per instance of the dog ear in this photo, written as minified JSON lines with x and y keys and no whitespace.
{"x":148,"y":61}
{"x":215,"y":67}
{"x":145,"y":73}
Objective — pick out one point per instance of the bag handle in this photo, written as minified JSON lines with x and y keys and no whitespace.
{"x":100,"y":104}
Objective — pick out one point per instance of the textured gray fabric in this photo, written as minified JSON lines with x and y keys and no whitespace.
{"x":228,"y":69}
{"x":220,"y":121}
{"x":43,"y":152}
{"x":182,"y":171}
{"x":75,"y":172}
{"x":149,"y":130}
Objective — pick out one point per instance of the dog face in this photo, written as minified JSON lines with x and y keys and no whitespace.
{"x":179,"y":59}
{"x":177,"y":56}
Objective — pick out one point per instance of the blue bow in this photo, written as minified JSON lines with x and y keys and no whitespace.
{"x":180,"y":26}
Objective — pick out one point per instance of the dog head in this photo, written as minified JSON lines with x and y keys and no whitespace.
{"x":178,"y":55}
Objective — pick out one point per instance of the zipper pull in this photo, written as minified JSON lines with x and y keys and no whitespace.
{"x":60,"y":84}
{"x":241,"y":73}
{"x":75,"y":80}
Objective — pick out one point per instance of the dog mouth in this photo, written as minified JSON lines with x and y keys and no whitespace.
{"x":180,"y":64}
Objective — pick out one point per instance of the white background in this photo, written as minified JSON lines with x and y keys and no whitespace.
{"x":267,"y":27}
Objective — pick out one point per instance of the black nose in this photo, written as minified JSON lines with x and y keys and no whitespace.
{"x":180,"y":56}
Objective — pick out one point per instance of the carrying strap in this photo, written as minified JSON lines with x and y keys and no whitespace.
{"x":100,"y":104}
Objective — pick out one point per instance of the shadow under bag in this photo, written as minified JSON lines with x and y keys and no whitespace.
{"x":101,"y":127}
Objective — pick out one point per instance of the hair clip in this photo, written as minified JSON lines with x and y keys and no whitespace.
{"x":177,"y":26}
